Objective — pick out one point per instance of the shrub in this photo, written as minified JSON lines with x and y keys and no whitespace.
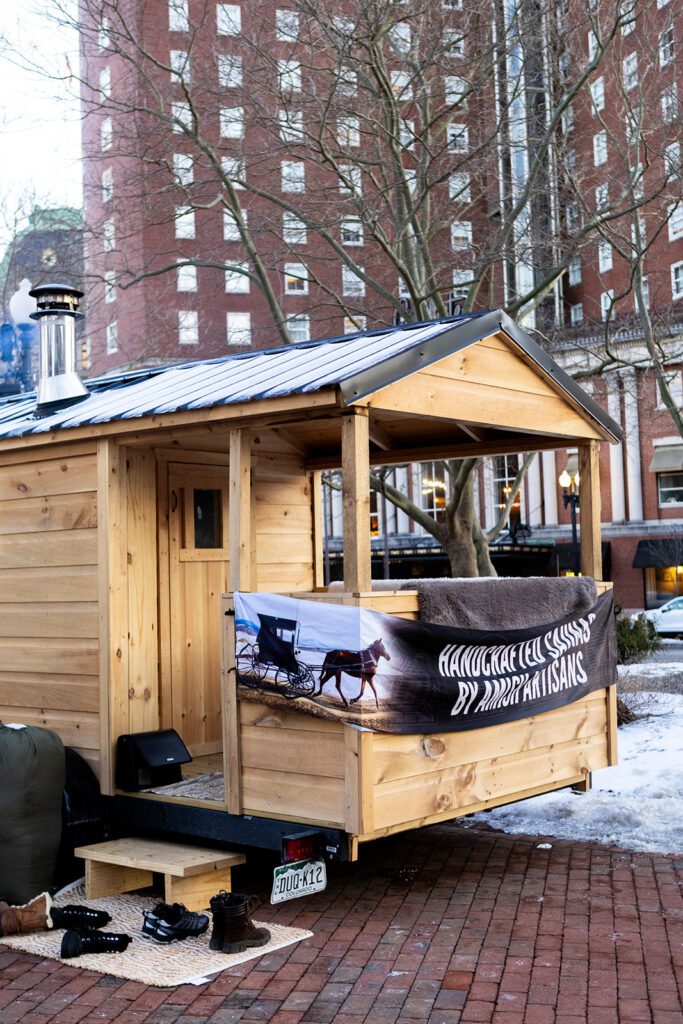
{"x":636,"y":638}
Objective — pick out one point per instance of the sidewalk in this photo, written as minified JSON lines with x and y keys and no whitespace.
{"x":445,"y":925}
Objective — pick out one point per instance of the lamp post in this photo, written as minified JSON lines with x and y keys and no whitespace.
{"x":21,"y":305}
{"x":570,"y":497}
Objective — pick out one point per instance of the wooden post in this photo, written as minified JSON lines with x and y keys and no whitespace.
{"x":232,"y":759}
{"x":589,"y":482}
{"x":356,"y":501}
{"x":240,"y":512}
{"x":318,"y":529}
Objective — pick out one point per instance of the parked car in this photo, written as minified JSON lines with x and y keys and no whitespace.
{"x":668,"y":619}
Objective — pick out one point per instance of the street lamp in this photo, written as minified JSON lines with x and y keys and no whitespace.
{"x":21,"y":305}
{"x":570,"y":497}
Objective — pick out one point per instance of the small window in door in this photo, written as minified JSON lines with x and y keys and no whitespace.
{"x":208,"y":518}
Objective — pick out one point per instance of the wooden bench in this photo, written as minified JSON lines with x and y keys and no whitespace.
{"x":192,"y":874}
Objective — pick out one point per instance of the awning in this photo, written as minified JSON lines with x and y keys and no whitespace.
{"x":659,"y":554}
{"x":667,"y":460}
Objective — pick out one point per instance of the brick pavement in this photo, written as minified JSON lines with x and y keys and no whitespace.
{"x":444,"y":926}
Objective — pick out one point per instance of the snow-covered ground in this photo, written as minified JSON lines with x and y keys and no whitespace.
{"x":637,"y":805}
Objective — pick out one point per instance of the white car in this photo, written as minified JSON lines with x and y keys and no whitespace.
{"x":668,"y":618}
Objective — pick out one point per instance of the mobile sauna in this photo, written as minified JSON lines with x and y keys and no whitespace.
{"x":131,"y":510}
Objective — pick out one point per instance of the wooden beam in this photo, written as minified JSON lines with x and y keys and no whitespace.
{"x":589,"y":477}
{"x":356,"y":501}
{"x":239,"y":511}
{"x":295,"y":443}
{"x":318,"y":529}
{"x":232,"y":753}
{"x":476,"y":435}
{"x":502,"y":446}
{"x":380,"y":437}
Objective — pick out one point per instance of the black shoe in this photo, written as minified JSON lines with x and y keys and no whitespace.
{"x":88,"y":940}
{"x":171,"y":923}
{"x":78,"y":917}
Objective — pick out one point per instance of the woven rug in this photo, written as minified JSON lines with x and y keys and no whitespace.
{"x":199,"y":787}
{"x":190,"y":962}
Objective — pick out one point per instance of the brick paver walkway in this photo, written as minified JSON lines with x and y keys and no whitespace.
{"x":444,"y":925}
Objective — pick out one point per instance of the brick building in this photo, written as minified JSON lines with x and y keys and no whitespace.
{"x":251,"y":177}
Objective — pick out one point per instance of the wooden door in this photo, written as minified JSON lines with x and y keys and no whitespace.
{"x":198,"y":575}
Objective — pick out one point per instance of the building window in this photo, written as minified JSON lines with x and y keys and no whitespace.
{"x":604,"y":256}
{"x":627,"y":14}
{"x":291,"y":126}
{"x":112,"y":338}
{"x":188,"y":327}
{"x":347,"y":83}
{"x":459,"y":187}
{"x":107,"y":185}
{"x":632,"y":127}
{"x":232,"y":122}
{"x":287,"y":26}
{"x":576,"y":314}
{"x":568,"y":119}
{"x":183,"y":168}
{"x":602,"y":196}
{"x":178,"y":15}
{"x":456,"y":89}
{"x":231,"y":229}
{"x":299,"y":327}
{"x":406,"y":133}
{"x":399,"y":37}
{"x":573,"y":218}
{"x":606,"y":304}
{"x":670,"y":103}
{"x":672,"y":160}
{"x":184,"y":222}
{"x":294,"y":230}
{"x":666,"y":47}
{"x":675,"y":221}
{"x":181,"y":116}
{"x":433,"y":494}
{"x":574,"y":271}
{"x":348,"y":131}
{"x":229,"y":71}
{"x":402,"y":86}
{"x":110,"y":286}
{"x":457,"y":138}
{"x":186,"y":278}
{"x":180,"y":65}
{"x":677,"y":280}
{"x":233,"y":169}
{"x":296,"y":279}
{"x":629,"y":71}
{"x":505,"y":468}
{"x":289,"y":76}
{"x":592,"y":44}
{"x":645,"y":288}
{"x":461,"y":235}
{"x":597,"y":96}
{"x":670,"y":488}
{"x":454,"y":43}
{"x":353,"y":324}
{"x":85,"y":354}
{"x":351,"y":231}
{"x":237,"y":282}
{"x":106,"y":134}
{"x":350,"y":181}
{"x":352,"y":285}
{"x":109,"y":235}
{"x":674,"y":382}
{"x":293,"y":176}
{"x":105,"y":84}
{"x":600,"y":148}
{"x":103,"y":34}
{"x":228,"y":19}
{"x":239,"y":328}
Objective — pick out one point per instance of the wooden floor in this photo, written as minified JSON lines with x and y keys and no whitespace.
{"x":202,"y":765}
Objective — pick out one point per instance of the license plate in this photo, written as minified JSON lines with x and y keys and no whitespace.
{"x":300,"y":878}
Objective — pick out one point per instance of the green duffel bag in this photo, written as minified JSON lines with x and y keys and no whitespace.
{"x":32,"y":773}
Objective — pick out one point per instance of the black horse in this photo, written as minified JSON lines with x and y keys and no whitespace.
{"x":361,"y":664}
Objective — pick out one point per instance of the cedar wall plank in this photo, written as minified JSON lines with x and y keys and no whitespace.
{"x":51,"y":619}
{"x":50,"y":476}
{"x":49,"y":583}
{"x":53,"y":512}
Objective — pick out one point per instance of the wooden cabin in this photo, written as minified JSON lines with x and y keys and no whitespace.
{"x":125,"y":518}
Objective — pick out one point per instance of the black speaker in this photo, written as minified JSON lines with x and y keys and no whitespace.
{"x":148,"y":759}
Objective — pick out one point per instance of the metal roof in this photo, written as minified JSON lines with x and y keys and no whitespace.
{"x":358,"y":364}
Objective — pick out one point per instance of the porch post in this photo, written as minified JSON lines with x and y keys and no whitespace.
{"x":240,"y":569}
{"x":356,"y":499}
{"x":589,"y":484}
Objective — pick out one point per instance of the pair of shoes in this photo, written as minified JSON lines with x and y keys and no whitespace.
{"x":78,"y":917}
{"x":233,"y":929}
{"x":89,"y":940}
{"x":173,"y":922}
{"x":33,"y":916}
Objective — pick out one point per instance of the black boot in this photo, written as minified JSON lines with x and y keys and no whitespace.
{"x":169,"y":923}
{"x":87,"y":940}
{"x":78,"y":917}
{"x":217,"y":903}
{"x":239,"y":931}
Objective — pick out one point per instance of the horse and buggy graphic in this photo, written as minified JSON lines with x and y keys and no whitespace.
{"x":272,"y":662}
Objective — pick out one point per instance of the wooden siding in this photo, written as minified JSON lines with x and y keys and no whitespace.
{"x":49,"y":625}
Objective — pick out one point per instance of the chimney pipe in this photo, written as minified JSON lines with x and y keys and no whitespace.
{"x":59,"y":384}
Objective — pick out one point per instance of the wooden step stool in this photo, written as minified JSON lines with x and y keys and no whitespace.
{"x":192,"y":874}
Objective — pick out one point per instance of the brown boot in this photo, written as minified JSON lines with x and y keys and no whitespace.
{"x":239,"y":931}
{"x":33,"y":916}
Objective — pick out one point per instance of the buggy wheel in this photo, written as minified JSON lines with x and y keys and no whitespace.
{"x":247,"y":666}
{"x":301,"y":681}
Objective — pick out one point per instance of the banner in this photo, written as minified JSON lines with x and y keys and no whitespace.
{"x":395,"y":675}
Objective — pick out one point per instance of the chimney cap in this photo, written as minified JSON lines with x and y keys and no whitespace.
{"x":55,"y":296}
